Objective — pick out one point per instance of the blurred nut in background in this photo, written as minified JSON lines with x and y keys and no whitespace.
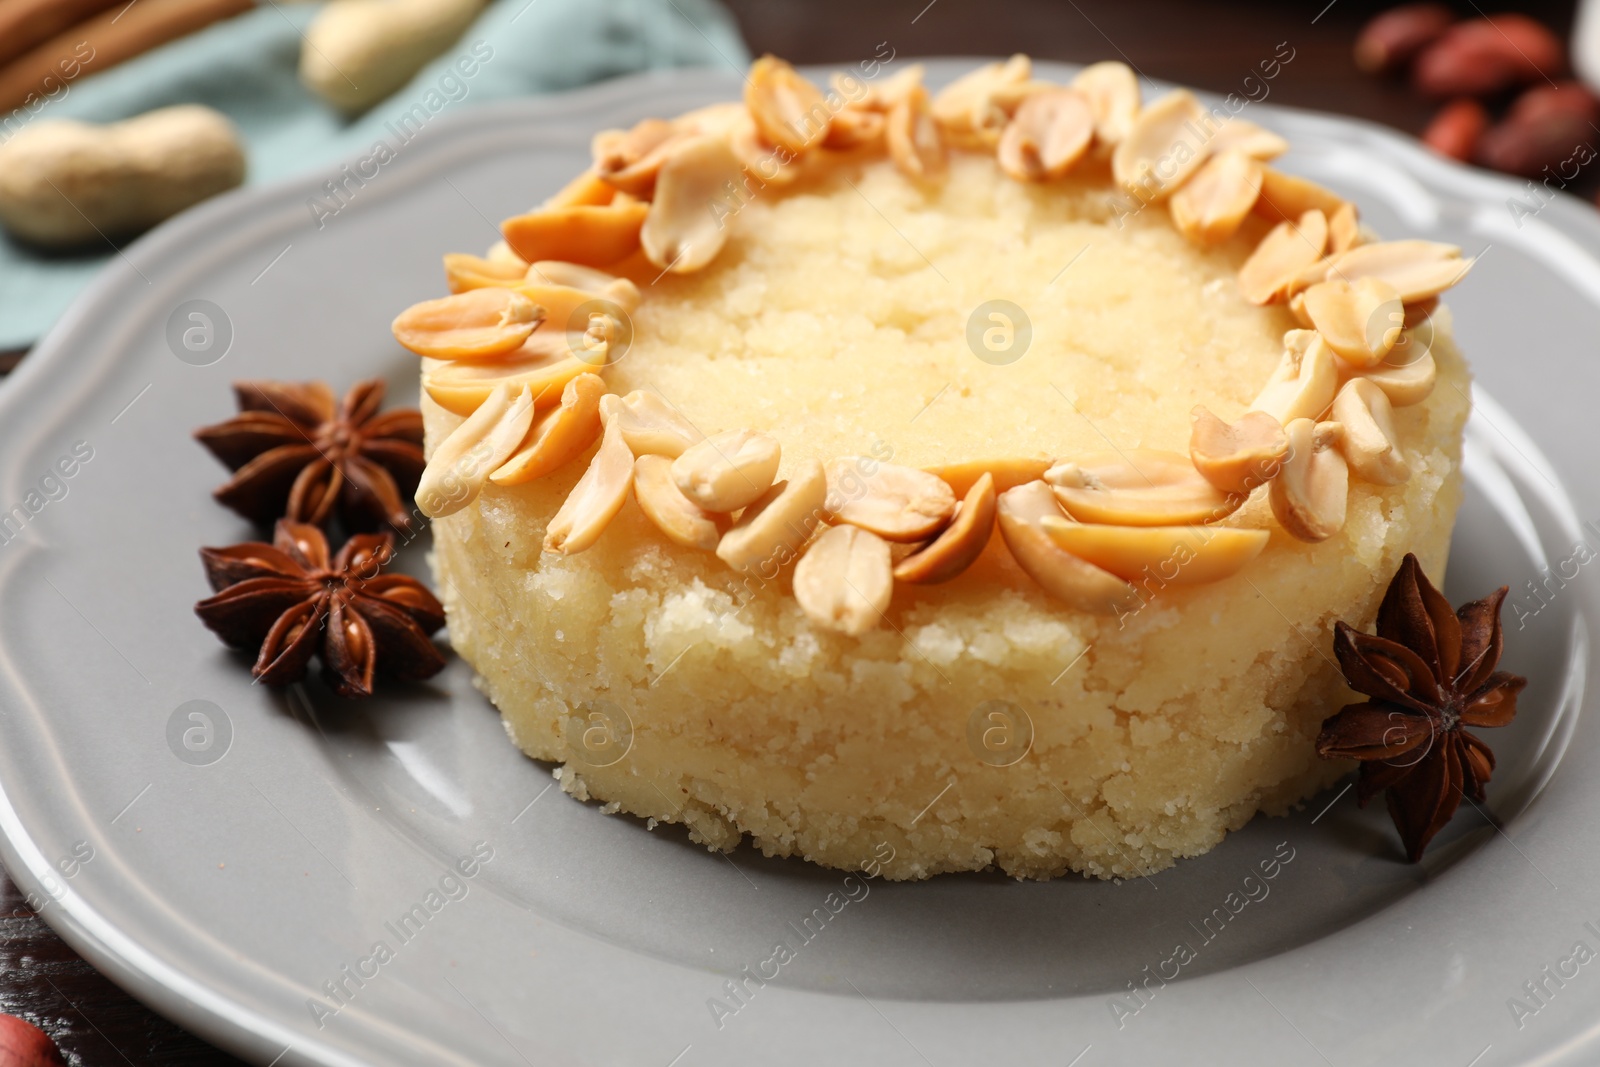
{"x":1567,"y":98}
{"x":66,"y":183}
{"x":1392,"y":39}
{"x":24,"y":1045}
{"x":1457,"y":128}
{"x":1548,"y":128}
{"x":359,"y":51}
{"x":1488,"y":55}
{"x":1529,"y":145}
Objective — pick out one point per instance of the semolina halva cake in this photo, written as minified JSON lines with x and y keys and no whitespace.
{"x":976,"y":473}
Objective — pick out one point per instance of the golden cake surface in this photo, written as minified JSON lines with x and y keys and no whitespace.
{"x":838,"y":315}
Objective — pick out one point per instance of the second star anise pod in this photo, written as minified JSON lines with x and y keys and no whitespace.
{"x":288,"y":601}
{"x":298,"y":454}
{"x":1430,"y":673}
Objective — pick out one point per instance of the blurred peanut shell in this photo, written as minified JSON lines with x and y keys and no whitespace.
{"x":359,"y":51}
{"x":65,"y":183}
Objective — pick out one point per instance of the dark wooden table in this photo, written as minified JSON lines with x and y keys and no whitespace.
{"x":1208,"y":45}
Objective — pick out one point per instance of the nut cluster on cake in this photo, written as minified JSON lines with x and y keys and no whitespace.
{"x":521,"y":348}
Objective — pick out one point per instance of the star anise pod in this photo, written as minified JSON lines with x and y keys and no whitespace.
{"x":297,"y":454}
{"x":1430,"y":672}
{"x":289,"y":601}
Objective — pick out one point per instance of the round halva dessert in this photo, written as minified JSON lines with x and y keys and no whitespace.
{"x":935,"y":482}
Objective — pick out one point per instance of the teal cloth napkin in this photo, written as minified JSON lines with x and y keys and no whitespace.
{"x":246,"y":67}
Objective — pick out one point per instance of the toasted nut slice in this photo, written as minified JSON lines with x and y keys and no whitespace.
{"x":1299,"y":342}
{"x":1285,"y":197}
{"x":682,"y":233}
{"x":1404,"y":383}
{"x":854,"y":128}
{"x":572,"y":275}
{"x":1163,"y":148}
{"x":500,"y":255}
{"x":545,"y":364}
{"x":593,"y":345}
{"x":1360,"y":320}
{"x":595,"y":500}
{"x":1417,"y":269}
{"x":1139,"y":487}
{"x":775,"y":166}
{"x":1113,"y":94}
{"x":727,"y":470}
{"x":896,"y":503}
{"x":1211,"y":206}
{"x":1310,"y":493}
{"x":771,"y":530}
{"x":477,"y":324}
{"x":789,"y":111}
{"x":594,"y":284}
{"x":1236,"y":457}
{"x":1257,"y":142}
{"x":853,"y":91}
{"x":1370,"y":443}
{"x":586,"y":190}
{"x":1408,"y":372}
{"x":1075,"y":582}
{"x":1008,"y":473}
{"x":596,"y":235}
{"x":461,"y":463}
{"x":963,"y":108}
{"x":845,"y":580}
{"x":1297,"y":308}
{"x":961,"y":543}
{"x":1047,"y":136}
{"x":1344,"y":229}
{"x":1303,"y":385}
{"x":1305,"y":278}
{"x":1178,"y":555}
{"x":463,"y":272}
{"x":879,"y":95}
{"x":630,"y":159}
{"x":1421,"y":312}
{"x":915,"y":144}
{"x":558,"y":436}
{"x":681,"y":519}
{"x":719,"y":119}
{"x":997,"y":110}
{"x":653,"y":427}
{"x":556,"y":302}
{"x":1287,"y":251}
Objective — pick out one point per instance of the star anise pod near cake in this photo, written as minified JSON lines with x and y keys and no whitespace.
{"x":1430,"y":673}
{"x":298,"y":453}
{"x":288,"y":601}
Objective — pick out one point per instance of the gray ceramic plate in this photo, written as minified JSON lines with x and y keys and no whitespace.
{"x":236,"y":862}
